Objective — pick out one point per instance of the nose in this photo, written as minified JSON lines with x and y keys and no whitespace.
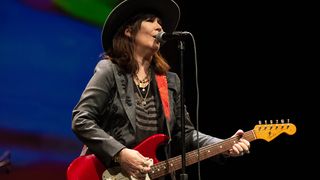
{"x":159,"y":28}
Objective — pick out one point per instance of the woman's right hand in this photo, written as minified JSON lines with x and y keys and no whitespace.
{"x":134,"y":163}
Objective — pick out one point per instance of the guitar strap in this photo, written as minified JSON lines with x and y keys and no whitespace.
{"x":162,"y":84}
{"x":164,"y":95}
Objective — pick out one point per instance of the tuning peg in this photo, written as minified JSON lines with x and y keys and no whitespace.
{"x":282,"y":121}
{"x":288,"y":120}
{"x":271,"y":122}
{"x":277,"y":121}
{"x":265,"y":121}
{"x":260,"y":124}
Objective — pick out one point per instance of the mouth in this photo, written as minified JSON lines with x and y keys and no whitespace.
{"x":156,"y":39}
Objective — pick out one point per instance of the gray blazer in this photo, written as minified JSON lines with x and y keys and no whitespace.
{"x":104,"y":118}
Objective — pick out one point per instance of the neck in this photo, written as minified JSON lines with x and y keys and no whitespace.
{"x":144,"y":66}
{"x":143,"y":59}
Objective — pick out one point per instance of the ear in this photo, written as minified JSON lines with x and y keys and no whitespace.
{"x":127,"y":31}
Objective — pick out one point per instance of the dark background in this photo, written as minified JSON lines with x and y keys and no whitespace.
{"x":255,"y":62}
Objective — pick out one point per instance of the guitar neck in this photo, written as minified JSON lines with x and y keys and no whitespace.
{"x":165,"y":167}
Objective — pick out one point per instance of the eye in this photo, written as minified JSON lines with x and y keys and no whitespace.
{"x":149,"y":20}
{"x":159,"y":21}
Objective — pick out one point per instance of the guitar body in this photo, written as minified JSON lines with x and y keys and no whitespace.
{"x":85,"y":167}
{"x":89,"y":167}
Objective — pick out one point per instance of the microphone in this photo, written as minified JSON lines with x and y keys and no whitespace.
{"x":162,"y":37}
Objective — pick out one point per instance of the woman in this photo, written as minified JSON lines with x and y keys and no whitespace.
{"x":132,"y":95}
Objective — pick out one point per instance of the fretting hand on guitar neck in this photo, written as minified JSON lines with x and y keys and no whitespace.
{"x":93,"y":169}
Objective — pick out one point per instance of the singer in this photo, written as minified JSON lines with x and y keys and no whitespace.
{"x":131,"y":104}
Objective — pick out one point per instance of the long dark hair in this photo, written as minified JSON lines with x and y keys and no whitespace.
{"x":121,"y":52}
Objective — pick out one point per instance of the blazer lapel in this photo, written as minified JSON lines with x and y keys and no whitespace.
{"x":126,"y":92}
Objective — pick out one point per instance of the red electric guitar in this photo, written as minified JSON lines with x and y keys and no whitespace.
{"x":89,"y":167}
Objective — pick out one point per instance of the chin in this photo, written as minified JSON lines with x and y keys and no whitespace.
{"x":156,"y":46}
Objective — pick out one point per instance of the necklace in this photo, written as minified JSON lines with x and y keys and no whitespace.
{"x":143,"y":100}
{"x":144,"y":82}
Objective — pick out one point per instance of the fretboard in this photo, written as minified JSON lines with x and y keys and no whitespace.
{"x":165,"y":167}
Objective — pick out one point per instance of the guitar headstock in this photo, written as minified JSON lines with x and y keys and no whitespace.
{"x":270,"y":131}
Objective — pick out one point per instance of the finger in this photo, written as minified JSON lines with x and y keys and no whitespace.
{"x":142,"y":174}
{"x":239,"y":133}
{"x":134,"y":174}
{"x":244,"y":146}
{"x":247,"y":143}
{"x":142,"y":171}
{"x":144,"y":161}
{"x":231,"y":152}
{"x":235,"y":150}
{"x":146,"y":169}
{"x":131,"y":171}
{"x":140,"y":155}
{"x":238,"y":147}
{"x":145,"y":164}
{"x":138,"y":175}
{"x":148,"y":161}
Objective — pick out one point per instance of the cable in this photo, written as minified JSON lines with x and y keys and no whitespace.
{"x":197,"y":101}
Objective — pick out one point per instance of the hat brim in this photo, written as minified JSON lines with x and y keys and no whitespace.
{"x":167,"y":10}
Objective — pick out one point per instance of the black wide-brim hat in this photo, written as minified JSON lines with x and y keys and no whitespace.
{"x":167,"y":10}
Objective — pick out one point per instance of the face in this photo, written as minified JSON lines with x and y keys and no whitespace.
{"x":145,"y":37}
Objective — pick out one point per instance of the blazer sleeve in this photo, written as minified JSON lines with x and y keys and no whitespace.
{"x":86,"y":115}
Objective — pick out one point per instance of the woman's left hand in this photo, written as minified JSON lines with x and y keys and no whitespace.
{"x":241,"y":147}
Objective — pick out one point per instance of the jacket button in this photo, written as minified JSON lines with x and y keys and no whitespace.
{"x":114,"y":108}
{"x":128,"y":101}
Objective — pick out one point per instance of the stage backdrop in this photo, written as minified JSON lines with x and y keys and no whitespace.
{"x":48,"y":49}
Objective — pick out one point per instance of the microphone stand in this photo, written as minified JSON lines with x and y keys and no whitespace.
{"x":183,"y":175}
